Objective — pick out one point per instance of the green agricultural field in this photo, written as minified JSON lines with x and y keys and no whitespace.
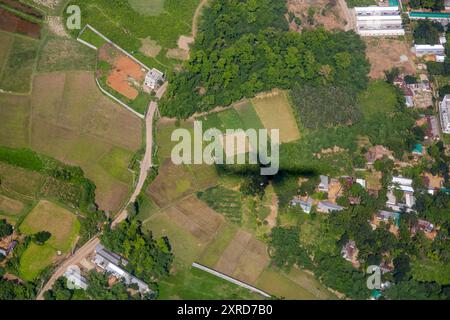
{"x":92,"y":38}
{"x":185,"y":246}
{"x":15,"y":121}
{"x":61,"y":223}
{"x":85,"y":130}
{"x":58,"y":54}
{"x":225,"y":201}
{"x":19,"y":67}
{"x":128,"y":24}
{"x":379,"y":97}
{"x":276,"y":112}
{"x":20,"y":182}
{"x":146,"y":208}
{"x":295,"y":285}
{"x":6,"y":40}
{"x":113,"y":162}
{"x":214,"y":250}
{"x":249,"y":117}
{"x":195,"y":284}
{"x":148,"y":7}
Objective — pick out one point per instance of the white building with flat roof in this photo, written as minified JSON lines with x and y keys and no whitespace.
{"x":378,"y":21}
{"x":444,"y":114}
{"x":426,"y":49}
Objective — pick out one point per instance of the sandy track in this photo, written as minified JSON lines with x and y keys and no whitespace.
{"x":89,"y":246}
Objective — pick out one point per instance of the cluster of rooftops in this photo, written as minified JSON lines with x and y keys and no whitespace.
{"x":111,"y":263}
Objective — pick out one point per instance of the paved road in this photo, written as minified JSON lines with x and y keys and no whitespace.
{"x":89,"y":246}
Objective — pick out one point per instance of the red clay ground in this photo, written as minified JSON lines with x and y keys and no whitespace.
{"x":124,"y":72}
{"x":12,"y":23}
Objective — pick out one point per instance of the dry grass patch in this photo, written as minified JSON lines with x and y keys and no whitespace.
{"x":150,"y":47}
{"x":245,"y":258}
{"x":10,"y":206}
{"x":385,"y":54}
{"x":275,"y":112}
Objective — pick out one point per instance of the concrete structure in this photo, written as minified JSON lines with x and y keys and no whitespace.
{"x":387,"y":216}
{"x":153,"y":78}
{"x":379,"y":21}
{"x":73,"y":275}
{"x":404,"y":185}
{"x":441,"y":17}
{"x":111,"y":263}
{"x":328,"y":207}
{"x":427,"y":49}
{"x":349,"y":251}
{"x":324,"y":183}
{"x":444,"y":114}
{"x":305,"y":205}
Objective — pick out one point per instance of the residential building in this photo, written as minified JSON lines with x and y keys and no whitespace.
{"x":432,"y":130}
{"x":73,"y":275}
{"x":112,"y":263}
{"x":305,"y":205}
{"x":379,"y":21}
{"x":405,"y":185}
{"x":388,"y":216}
{"x":349,"y":251}
{"x":327,"y":207}
{"x":153,"y":78}
{"x":324,"y":184}
{"x":444,"y":113}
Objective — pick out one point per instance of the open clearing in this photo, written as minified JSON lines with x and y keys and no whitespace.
{"x":245,"y":258}
{"x":379,"y":97}
{"x":327,"y":13}
{"x":83,"y":129}
{"x":15,"y":121}
{"x":275,"y":112}
{"x":15,"y":76}
{"x":10,"y":206}
{"x":385,"y":54}
{"x":61,"y":223}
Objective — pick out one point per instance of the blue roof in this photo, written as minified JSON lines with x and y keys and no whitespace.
{"x":376,"y":294}
{"x":418,"y":148}
{"x":393,"y":3}
{"x":431,"y":15}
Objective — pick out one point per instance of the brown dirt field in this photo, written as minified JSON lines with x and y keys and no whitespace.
{"x":196,"y":222}
{"x":184,"y":42}
{"x":150,"y":47}
{"x":81,"y":128}
{"x":12,"y":23}
{"x":178,"y":54}
{"x":22,"y":8}
{"x":125,"y":69}
{"x":384,"y":54}
{"x":9,"y":205}
{"x":326,"y":15}
{"x":245,"y":258}
{"x":172,"y":183}
{"x":56,"y":26}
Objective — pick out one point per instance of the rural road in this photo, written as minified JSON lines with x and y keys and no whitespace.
{"x":89,"y":246}
{"x":76,"y":258}
{"x":348,"y":15}
{"x":197,"y":14}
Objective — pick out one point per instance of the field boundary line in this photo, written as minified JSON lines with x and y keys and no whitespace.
{"x":115,"y":45}
{"x":123,"y":104}
{"x":230,"y":279}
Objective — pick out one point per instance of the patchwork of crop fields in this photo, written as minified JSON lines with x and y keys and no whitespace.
{"x":136,"y":21}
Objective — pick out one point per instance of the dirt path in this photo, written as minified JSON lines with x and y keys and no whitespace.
{"x":87,"y":248}
{"x":348,"y":15}
{"x":197,"y":15}
{"x":146,"y":163}
{"x":73,"y":260}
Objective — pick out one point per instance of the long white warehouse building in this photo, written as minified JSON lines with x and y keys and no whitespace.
{"x":378,"y":21}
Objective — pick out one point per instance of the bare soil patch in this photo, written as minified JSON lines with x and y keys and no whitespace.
{"x":56,"y":25}
{"x":327,"y":13}
{"x":178,"y":54}
{"x":125,"y":74}
{"x":12,"y":23}
{"x":245,"y":258}
{"x":150,"y":47}
{"x":385,"y":54}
